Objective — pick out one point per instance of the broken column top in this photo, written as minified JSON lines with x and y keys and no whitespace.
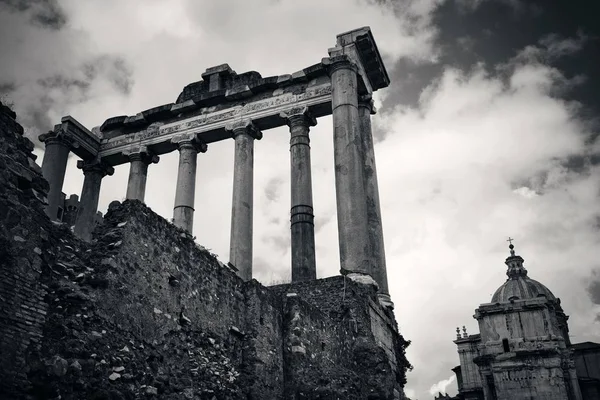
{"x":216,"y":75}
{"x":223,"y":69}
{"x":359,"y":43}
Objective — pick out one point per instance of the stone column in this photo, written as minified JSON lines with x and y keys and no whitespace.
{"x":183,"y":211}
{"x":93,"y":170}
{"x":139,"y":159}
{"x":302,"y":218}
{"x":240,"y":251}
{"x":355,"y":254}
{"x":379,"y":273}
{"x":54,"y":166}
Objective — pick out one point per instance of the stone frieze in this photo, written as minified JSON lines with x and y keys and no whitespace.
{"x":215,"y":120}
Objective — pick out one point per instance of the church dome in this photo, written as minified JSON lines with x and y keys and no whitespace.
{"x":519,"y":286}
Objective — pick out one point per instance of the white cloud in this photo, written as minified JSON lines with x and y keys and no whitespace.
{"x":441,"y":386}
{"x":447,"y":174}
{"x":526,"y":192}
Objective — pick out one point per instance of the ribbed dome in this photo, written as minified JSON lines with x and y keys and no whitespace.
{"x":519,"y":286}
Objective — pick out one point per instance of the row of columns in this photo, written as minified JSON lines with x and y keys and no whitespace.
{"x":357,"y":194}
{"x":58,"y":145}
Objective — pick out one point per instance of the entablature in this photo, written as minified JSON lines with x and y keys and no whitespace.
{"x":203,"y":108}
{"x":263,"y":109}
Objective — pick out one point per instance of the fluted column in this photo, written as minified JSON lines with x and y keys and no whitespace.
{"x":139,"y":159}
{"x":183,"y":211}
{"x":355,"y":254}
{"x":240,"y":253}
{"x":302,"y":218}
{"x":379,"y":273}
{"x":93,"y":170}
{"x":54,"y":166}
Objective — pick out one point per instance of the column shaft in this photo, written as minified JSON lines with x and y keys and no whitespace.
{"x":376,"y":243}
{"x":136,"y":185}
{"x":242,"y":208}
{"x":54,"y":167}
{"x":94,"y":171}
{"x":302,"y":217}
{"x":183,"y":211}
{"x":355,"y":254}
{"x":240,"y":251}
{"x":139,"y":159}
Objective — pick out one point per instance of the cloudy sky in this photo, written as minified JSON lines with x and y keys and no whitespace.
{"x":488,"y":130}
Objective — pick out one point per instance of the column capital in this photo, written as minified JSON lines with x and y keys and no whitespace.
{"x":298,"y":116}
{"x":335,"y":63}
{"x":58,"y":136}
{"x":244,"y":126}
{"x":189,"y":141}
{"x":366,"y":100}
{"x":141,"y":153}
{"x":95,"y":166}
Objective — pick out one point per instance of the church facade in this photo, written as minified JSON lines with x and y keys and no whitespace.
{"x":523,"y":350}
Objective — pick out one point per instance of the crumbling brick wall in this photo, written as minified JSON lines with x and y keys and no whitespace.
{"x":23,"y":238}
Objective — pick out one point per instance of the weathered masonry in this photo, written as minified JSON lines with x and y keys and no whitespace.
{"x":226,"y":105}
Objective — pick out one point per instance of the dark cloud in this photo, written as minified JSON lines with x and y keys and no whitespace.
{"x":114,"y":68}
{"x":6,"y":88}
{"x":490,"y":32}
{"x":52,"y":67}
{"x":44,"y":13}
{"x":58,"y":92}
{"x":63,"y":83}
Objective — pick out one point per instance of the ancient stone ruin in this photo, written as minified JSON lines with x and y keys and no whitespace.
{"x":135,"y":308}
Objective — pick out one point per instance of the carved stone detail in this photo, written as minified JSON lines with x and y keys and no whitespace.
{"x":339,"y":62}
{"x":298,"y":116}
{"x":270,"y":105}
{"x":95,"y":166}
{"x":190,"y":141}
{"x":58,"y":136}
{"x":141,"y":153}
{"x":244,"y":126}
{"x":366,"y":100}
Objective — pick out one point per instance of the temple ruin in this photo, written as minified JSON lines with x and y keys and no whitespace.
{"x":134,"y":308}
{"x":226,"y":105}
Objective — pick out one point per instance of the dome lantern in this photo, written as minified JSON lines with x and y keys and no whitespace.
{"x":519,"y":286}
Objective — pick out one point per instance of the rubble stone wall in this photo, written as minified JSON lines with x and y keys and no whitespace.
{"x":333,"y":341}
{"x":143,"y":311}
